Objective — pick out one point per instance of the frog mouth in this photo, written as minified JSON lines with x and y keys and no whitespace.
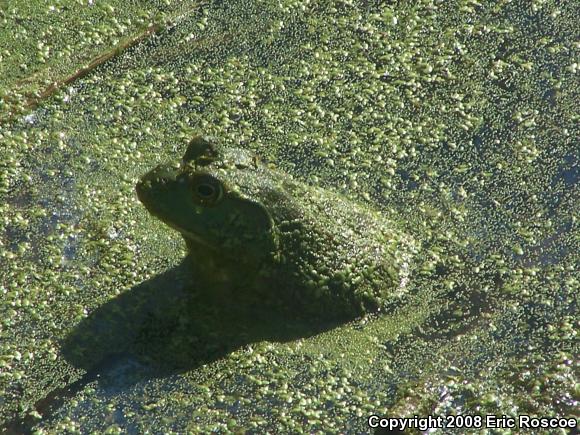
{"x":193,"y":237}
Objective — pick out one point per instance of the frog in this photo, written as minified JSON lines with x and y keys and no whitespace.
{"x":257,"y":236}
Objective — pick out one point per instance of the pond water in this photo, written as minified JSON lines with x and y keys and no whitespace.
{"x":456,"y":119}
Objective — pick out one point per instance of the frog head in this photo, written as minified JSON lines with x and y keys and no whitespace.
{"x":216,"y":220}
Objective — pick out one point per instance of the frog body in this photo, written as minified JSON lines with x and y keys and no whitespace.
{"x":258,"y":237}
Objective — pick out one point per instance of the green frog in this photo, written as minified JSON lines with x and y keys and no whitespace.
{"x":257,"y":237}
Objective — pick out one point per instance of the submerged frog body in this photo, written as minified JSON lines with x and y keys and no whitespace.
{"x":258,"y":237}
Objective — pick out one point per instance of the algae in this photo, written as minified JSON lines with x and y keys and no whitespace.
{"x":459,"y":116}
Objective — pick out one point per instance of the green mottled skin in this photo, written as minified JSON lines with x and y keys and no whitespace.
{"x":256,"y":236}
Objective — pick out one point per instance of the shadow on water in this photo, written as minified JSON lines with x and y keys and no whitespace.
{"x":159,"y":328}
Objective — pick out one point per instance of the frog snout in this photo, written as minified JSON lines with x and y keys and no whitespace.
{"x":156,"y":179}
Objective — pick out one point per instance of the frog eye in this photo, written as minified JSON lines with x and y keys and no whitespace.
{"x":207,"y":190}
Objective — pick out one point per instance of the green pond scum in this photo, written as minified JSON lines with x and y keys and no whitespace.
{"x":440,"y":136}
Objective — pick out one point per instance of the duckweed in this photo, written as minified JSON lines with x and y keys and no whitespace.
{"x":458,"y":116}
